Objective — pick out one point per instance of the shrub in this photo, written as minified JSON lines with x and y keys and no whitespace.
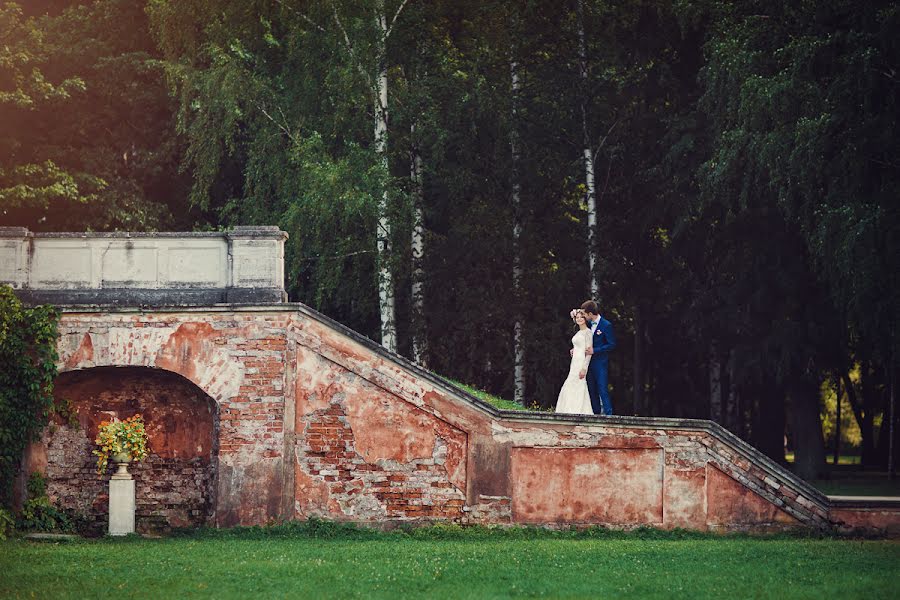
{"x":38,"y":513}
{"x":27,"y":369}
{"x":6,"y":523}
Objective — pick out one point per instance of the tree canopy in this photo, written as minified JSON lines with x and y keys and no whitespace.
{"x":743,"y":160}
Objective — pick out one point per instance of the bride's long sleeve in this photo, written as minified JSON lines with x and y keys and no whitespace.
{"x":587,"y":357}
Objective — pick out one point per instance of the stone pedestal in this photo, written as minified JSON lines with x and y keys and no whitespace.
{"x":121,"y":502}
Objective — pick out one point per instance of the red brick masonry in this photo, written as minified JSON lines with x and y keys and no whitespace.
{"x":277,"y":413}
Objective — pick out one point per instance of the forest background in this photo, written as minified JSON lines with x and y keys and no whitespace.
{"x":456,"y":175}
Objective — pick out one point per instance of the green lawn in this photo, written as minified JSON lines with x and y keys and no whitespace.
{"x":483,"y":565}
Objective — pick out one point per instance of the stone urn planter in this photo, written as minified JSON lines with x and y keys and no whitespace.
{"x":121,"y":442}
{"x":121,"y":460}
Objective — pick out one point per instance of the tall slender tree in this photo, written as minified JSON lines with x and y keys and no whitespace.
{"x":516,"y":201}
{"x":590,"y":193}
{"x":417,"y":250}
{"x":384,"y":26}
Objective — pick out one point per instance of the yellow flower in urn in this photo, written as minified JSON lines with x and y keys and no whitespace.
{"x":124,"y":440}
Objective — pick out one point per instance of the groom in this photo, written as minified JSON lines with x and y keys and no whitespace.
{"x":604,"y":340}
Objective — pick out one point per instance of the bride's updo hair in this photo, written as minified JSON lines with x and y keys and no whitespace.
{"x":574,"y":315}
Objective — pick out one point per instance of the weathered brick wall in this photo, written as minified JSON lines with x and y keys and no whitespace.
{"x":536,"y":469}
{"x":316,"y":421}
{"x":176,"y":481}
{"x":364,"y":454}
{"x":238,"y":359}
{"x":876,"y":515}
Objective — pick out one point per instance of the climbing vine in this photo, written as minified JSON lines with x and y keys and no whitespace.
{"x":27,"y":369}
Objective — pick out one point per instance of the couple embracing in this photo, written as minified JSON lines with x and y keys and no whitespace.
{"x":585,"y":389}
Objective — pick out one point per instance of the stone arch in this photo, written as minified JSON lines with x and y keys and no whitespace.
{"x":192,"y":350}
{"x":176,"y":485}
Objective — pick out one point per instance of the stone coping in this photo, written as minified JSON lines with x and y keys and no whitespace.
{"x":269,"y":231}
{"x":51,"y":537}
{"x":892,"y":502}
{"x":183,"y":296}
{"x":712,"y":428}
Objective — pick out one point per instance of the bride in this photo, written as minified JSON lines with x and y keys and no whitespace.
{"x":574,"y":397}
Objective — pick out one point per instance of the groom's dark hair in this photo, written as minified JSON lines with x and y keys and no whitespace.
{"x":591,"y":307}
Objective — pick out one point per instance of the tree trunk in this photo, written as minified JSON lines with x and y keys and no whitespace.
{"x":892,"y":416}
{"x":837,"y":423}
{"x":418,"y":251}
{"x":867,"y":425}
{"x":882,"y":448}
{"x":518,"y":341}
{"x":730,"y":416}
{"x":809,"y":445}
{"x":383,"y":233}
{"x":638,"y":407}
{"x":892,"y":412}
{"x":885,"y":451}
{"x":715,"y":383}
{"x":590,"y":189}
{"x":769,"y":421}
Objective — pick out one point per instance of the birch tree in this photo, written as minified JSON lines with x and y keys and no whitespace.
{"x":417,"y":249}
{"x":516,"y":199}
{"x":376,"y":79}
{"x":384,"y":227}
{"x":587,"y":153}
{"x":383,"y":234}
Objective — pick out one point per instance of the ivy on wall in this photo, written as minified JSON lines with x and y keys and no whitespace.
{"x":27,"y":370}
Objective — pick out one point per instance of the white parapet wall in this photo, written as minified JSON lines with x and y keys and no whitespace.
{"x":244,"y":265}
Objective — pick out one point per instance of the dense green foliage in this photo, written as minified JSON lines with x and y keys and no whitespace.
{"x":38,"y":513}
{"x":452,"y":563}
{"x":745,"y":170}
{"x":88,"y":138}
{"x":803,"y":102}
{"x":27,"y":369}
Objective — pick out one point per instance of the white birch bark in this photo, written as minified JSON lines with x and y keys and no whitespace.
{"x":590,"y":188}
{"x":518,"y":341}
{"x":417,"y":246}
{"x":383,"y":233}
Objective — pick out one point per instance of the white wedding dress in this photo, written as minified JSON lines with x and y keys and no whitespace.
{"x":574,"y":397}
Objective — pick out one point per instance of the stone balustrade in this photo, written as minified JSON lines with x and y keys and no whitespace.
{"x":244,"y":265}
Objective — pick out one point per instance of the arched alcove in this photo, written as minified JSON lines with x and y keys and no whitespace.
{"x":175,"y":485}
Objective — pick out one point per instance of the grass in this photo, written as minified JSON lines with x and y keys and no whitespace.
{"x":327,"y":561}
{"x":843,"y":459}
{"x":496,"y":401}
{"x":321,"y":559}
{"x":861,"y":487}
{"x":848,"y":478}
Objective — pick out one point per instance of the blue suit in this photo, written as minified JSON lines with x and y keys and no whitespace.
{"x":604,"y":340}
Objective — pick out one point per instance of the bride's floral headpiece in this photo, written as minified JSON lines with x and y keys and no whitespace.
{"x":574,"y":313}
